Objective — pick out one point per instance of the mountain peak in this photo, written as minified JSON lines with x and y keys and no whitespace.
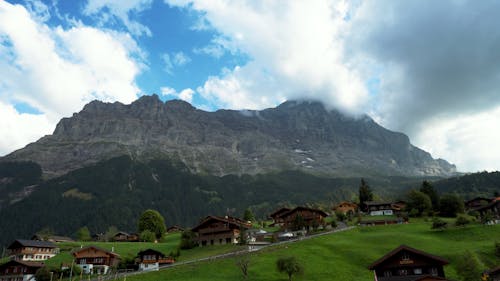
{"x":296,"y":135}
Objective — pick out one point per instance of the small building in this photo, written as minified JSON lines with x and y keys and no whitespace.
{"x":378,"y":208}
{"x":477,"y":202}
{"x":52,"y":238}
{"x":308,"y":216}
{"x":122,"y":236}
{"x":19,"y":270}
{"x":408,"y":264}
{"x":276,"y":216}
{"x":494,"y":274}
{"x":175,"y":228}
{"x":348,"y":208}
{"x":492,"y":208}
{"x":32,"y":250}
{"x":92,"y":260}
{"x":152,"y":260}
{"x":214,"y":230}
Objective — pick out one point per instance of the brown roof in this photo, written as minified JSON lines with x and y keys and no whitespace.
{"x":75,"y":253}
{"x":304,"y":208}
{"x":227,"y":219}
{"x":25,"y":263}
{"x":409,"y":249}
{"x":31,"y":243}
{"x":280,"y":210}
{"x":151,"y":251}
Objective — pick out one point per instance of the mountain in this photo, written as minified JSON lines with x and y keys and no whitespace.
{"x":296,"y":135}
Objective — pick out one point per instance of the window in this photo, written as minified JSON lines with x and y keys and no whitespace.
{"x":403,"y":272}
{"x":405,"y":256}
{"x":434,"y":271}
{"x":387,"y":273}
{"x":417,"y":271}
{"x":83,"y":261}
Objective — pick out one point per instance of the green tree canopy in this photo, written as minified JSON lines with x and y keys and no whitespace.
{"x":468,"y":266}
{"x":248,"y":215}
{"x":290,"y":266}
{"x":365,"y":193}
{"x":153,"y":221}
{"x":450,"y":205}
{"x":418,"y":202}
{"x":428,"y":189}
{"x":83,"y":234}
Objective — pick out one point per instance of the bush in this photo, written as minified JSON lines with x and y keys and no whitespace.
{"x":462,"y":221}
{"x":439,"y":224}
{"x":187,"y":240}
{"x":340,"y":216}
{"x":290,"y":266}
{"x":147,"y":236}
{"x":468,"y":266}
{"x":333,"y":223}
{"x":43,"y":274}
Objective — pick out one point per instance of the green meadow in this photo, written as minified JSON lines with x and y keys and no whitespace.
{"x":345,"y":255}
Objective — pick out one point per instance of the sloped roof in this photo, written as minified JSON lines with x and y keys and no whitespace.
{"x":31,"y":243}
{"x":149,"y":251}
{"x":304,"y":208}
{"x":96,"y":248}
{"x":227,"y":219}
{"x":25,"y":263}
{"x":280,"y":210}
{"x":409,"y":249}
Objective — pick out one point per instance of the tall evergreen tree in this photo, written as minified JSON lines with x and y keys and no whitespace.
{"x":428,"y":189}
{"x":365,"y":193}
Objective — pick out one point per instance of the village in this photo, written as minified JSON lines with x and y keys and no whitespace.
{"x":26,"y":258}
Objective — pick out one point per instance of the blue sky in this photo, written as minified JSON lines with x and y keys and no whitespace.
{"x":428,"y":69}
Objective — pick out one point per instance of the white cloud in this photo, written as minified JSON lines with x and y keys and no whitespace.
{"x":58,"y":70}
{"x":108,"y":10}
{"x":296,"y":46}
{"x":469,"y":141}
{"x":173,"y":60}
{"x":185,"y":95}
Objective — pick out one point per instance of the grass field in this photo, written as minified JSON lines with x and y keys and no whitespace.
{"x":129,"y":250}
{"x":345,"y":256}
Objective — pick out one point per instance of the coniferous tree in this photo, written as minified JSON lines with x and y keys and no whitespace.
{"x":365,"y":193}
{"x":428,"y":189}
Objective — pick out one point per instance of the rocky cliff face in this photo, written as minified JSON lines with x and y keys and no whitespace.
{"x":294,"y":135}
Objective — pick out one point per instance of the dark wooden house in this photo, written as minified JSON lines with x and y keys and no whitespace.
{"x":214,"y":230}
{"x":408,"y":264}
{"x":308,"y":217}
{"x":276,"y":216}
{"x":348,"y":208}
{"x":122,"y":236}
{"x":175,"y":228}
{"x":52,"y":238}
{"x":92,"y":259}
{"x":477,"y":202}
{"x":377,"y":208}
{"x":151,"y":259}
{"x":19,"y":270}
{"x":32,"y":250}
{"x":492,"y":208}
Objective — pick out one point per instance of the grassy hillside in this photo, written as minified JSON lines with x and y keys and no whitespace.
{"x":345,"y":256}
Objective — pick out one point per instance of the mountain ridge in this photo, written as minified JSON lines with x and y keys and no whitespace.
{"x":296,"y":135}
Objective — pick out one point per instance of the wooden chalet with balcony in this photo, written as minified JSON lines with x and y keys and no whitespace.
{"x":32,"y":250}
{"x":19,"y":270}
{"x":92,"y":259}
{"x":276,"y":216}
{"x":308,"y":217}
{"x":214,"y":230}
{"x":152,"y":260}
{"x":122,"y":236}
{"x":408,"y":264}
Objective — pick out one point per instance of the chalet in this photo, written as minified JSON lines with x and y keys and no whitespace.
{"x":408,"y":264}
{"x":493,"y":208}
{"x":214,"y":230}
{"x":92,"y":259}
{"x":381,"y":208}
{"x":309,"y":217}
{"x":276,"y":216}
{"x":19,"y":270}
{"x":52,"y":238}
{"x":494,"y":274}
{"x":348,"y":208}
{"x":151,"y":259}
{"x":32,"y":250}
{"x":477,"y":202}
{"x":175,"y":228}
{"x":122,"y":236}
